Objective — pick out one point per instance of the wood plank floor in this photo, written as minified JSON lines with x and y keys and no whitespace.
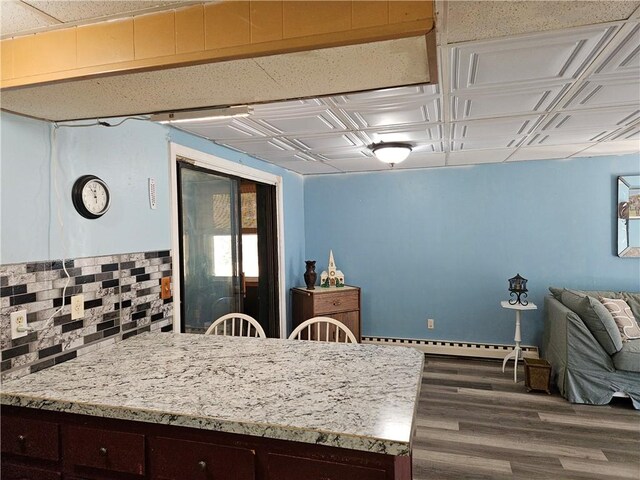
{"x":474,"y":422}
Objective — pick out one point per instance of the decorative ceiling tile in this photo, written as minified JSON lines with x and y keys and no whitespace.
{"x":264,"y":146}
{"x":511,"y":101}
{"x":414,"y":135}
{"x":619,"y":147}
{"x":386,"y":96}
{"x":484,"y":143}
{"x":631,"y":133}
{"x":326,"y":142}
{"x":345,"y":154}
{"x":547,"y":58}
{"x":391,"y":115}
{"x":227,"y":129}
{"x":505,"y":127}
{"x":594,"y":121}
{"x":564,"y":138}
{"x":287,"y":107}
{"x":307,"y":168}
{"x":363,"y":164}
{"x":624,"y":59}
{"x":605,"y":92}
{"x":548,"y":152}
{"x":479,"y":156}
{"x":422,"y":160}
{"x":306,"y":121}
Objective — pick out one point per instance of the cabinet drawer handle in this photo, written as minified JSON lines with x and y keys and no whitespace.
{"x":336,"y":303}
{"x":202,"y":465}
{"x":22,"y":439}
{"x":103,"y":451}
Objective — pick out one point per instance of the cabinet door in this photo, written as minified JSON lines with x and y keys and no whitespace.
{"x":172,"y":459}
{"x":20,"y":472}
{"x":286,"y":467}
{"x":351,"y":321}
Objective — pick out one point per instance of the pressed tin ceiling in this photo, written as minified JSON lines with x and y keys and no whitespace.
{"x":519,"y":80}
{"x":546,"y":95}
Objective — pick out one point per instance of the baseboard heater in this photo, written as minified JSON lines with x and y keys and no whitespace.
{"x":462,"y":349}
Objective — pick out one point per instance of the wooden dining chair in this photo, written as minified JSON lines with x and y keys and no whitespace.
{"x":318,"y":327}
{"x":236,"y":325}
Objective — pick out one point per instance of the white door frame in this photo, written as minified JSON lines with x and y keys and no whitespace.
{"x":217,"y":164}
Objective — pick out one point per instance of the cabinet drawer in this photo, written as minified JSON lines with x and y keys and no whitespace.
{"x":285,"y":467}
{"x":20,"y":472}
{"x":104,"y":449}
{"x":31,"y":438}
{"x":172,"y":459}
{"x":333,"y":302}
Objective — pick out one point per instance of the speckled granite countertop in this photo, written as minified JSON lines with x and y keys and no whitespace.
{"x":360,"y":397}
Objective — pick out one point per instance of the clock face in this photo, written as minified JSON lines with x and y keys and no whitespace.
{"x":90,"y":196}
{"x":95,"y":197}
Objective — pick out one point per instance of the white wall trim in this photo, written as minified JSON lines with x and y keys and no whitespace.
{"x":212,"y":162}
{"x":450,"y":347}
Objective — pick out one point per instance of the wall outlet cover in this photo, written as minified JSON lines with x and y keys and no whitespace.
{"x":77,"y":307}
{"x":165,"y":288}
{"x":18,"y":319}
{"x":431,"y":323}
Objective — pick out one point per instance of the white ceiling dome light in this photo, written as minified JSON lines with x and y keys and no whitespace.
{"x":391,"y":152}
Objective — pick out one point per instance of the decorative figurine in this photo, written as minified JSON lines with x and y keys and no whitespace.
{"x":518,"y":288}
{"x":310,"y":274}
{"x":331,"y":277}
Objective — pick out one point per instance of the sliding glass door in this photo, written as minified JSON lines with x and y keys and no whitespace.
{"x":210,"y":253}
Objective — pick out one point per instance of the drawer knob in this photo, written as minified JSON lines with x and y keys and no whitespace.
{"x":202,"y":465}
{"x":22,"y":439}
{"x":103,"y":451}
{"x":336,"y":303}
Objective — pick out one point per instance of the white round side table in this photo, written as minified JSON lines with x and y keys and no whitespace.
{"x":516,"y":353}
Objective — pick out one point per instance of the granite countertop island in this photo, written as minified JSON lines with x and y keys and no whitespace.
{"x":358,"y":397}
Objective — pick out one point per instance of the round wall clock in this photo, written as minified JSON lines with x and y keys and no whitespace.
{"x":90,"y":196}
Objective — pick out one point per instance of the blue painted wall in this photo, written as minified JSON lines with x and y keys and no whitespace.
{"x":125,"y":157}
{"x":441,"y":243}
{"x":24,"y":189}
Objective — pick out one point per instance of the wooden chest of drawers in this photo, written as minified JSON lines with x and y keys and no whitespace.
{"x":342,"y":304}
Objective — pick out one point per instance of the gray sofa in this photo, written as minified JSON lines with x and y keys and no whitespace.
{"x":589,"y":363}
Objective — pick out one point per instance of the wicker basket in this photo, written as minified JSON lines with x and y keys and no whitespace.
{"x":537,"y":375}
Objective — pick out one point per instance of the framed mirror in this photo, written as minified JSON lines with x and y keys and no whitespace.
{"x":628,"y":216}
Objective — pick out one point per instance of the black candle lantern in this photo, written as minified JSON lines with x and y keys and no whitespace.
{"x":518,"y":289}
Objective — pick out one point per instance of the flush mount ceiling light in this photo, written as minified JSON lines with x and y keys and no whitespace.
{"x":201,"y":114}
{"x":392,"y":152}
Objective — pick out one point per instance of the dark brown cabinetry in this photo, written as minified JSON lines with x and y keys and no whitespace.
{"x":342,"y":304}
{"x":42,"y":445}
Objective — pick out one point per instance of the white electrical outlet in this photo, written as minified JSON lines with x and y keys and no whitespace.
{"x":77,"y":306}
{"x":19,"y":324}
{"x":431,"y":323}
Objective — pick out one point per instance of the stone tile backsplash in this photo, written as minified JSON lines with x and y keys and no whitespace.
{"x":121,"y":299}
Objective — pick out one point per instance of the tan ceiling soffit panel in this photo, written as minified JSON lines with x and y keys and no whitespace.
{"x":232,"y":30}
{"x":319,"y":72}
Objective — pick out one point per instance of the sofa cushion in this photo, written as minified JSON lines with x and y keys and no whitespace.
{"x":557,"y":293}
{"x":622,"y":315}
{"x":633,"y":299}
{"x":596,"y":317}
{"x":629,"y":357}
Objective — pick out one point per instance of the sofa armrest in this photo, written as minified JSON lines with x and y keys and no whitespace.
{"x":567,"y":338}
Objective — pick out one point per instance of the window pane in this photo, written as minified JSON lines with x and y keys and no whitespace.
{"x":250,"y":255}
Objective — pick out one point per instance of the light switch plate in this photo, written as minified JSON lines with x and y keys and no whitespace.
{"x":18,"y":319}
{"x":77,"y":307}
